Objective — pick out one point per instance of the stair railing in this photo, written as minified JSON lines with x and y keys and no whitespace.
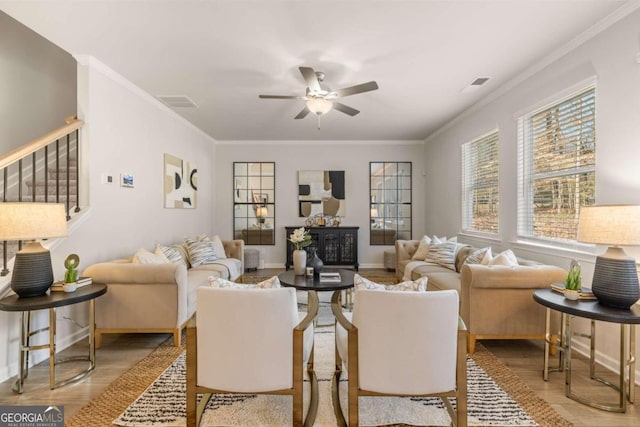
{"x":42,"y":158}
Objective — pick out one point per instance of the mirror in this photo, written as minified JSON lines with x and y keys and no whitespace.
{"x":390,"y":202}
{"x":254,"y":196}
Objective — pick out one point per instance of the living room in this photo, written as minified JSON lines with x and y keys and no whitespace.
{"x":117,"y":220}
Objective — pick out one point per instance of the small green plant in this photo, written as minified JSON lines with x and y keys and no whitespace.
{"x":573,"y":281}
{"x":71,"y":273}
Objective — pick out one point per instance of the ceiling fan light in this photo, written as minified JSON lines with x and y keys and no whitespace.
{"x":319,"y":106}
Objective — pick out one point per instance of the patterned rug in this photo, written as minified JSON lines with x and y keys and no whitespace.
{"x":163,"y":403}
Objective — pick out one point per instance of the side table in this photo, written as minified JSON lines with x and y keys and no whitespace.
{"x":51,"y":301}
{"x":591,"y":309}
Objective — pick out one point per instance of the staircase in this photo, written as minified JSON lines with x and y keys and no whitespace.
{"x":44,"y":170}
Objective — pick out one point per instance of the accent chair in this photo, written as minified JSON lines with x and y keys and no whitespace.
{"x":249,"y":341}
{"x":401,"y":343}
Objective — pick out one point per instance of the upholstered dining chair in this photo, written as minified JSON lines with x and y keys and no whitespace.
{"x":250,"y":341}
{"x":401,"y":344}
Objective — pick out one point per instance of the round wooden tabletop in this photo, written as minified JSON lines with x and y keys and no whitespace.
{"x":590,"y":309}
{"x":306,"y":283}
{"x":52,"y":299}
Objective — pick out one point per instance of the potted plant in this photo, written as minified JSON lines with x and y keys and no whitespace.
{"x":573,"y":283}
{"x":71,"y":273}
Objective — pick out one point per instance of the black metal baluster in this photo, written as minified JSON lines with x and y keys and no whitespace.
{"x":46,"y":173}
{"x":33,"y":176}
{"x":57,"y":171}
{"x":77,"y":170}
{"x":4,"y":270}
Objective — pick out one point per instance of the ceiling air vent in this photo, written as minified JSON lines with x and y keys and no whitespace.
{"x":177,"y":101}
{"x":475,"y":84}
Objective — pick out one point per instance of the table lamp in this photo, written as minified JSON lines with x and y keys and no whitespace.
{"x":32,"y":271}
{"x":261,"y":213}
{"x":615,"y":276}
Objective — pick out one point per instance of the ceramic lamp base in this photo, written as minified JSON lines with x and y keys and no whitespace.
{"x":32,"y":271}
{"x":615,"y":281}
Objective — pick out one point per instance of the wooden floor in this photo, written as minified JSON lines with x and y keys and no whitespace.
{"x":120,"y":352}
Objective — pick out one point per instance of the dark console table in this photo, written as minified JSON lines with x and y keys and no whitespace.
{"x":334,"y":245}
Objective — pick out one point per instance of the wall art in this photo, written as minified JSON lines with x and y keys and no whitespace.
{"x":321,"y":192}
{"x":180,"y":183}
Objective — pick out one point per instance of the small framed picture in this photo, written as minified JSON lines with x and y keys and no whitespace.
{"x":126,"y":180}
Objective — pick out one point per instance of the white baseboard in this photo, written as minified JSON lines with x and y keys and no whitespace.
{"x":607,"y":362}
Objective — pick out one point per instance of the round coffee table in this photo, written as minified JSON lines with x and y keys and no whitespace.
{"x":313,"y":285}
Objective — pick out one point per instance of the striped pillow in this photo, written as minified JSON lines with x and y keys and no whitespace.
{"x":478,"y":255}
{"x":176,"y":254}
{"x":200,"y":252}
{"x":443,"y":254}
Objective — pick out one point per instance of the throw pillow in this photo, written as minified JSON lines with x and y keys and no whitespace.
{"x":217,"y":282}
{"x":218,"y":247}
{"x":443,"y":254}
{"x":477,"y":256}
{"x":176,"y":254}
{"x":200,"y":252}
{"x":507,"y":258}
{"x":419,"y":285}
{"x":143,"y":256}
{"x":423,"y":248}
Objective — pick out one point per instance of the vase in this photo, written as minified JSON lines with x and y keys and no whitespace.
{"x":299,"y":262}
{"x":315,"y":262}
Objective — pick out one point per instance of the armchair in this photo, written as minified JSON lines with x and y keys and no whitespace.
{"x":249,"y":341}
{"x":401,"y":344}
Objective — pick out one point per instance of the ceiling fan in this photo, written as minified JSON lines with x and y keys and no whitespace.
{"x":320,"y":99}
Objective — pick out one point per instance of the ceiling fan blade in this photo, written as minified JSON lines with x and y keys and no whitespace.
{"x":302,"y":114}
{"x":280,"y":97}
{"x":310,"y":77}
{"x":345,"y":109}
{"x":353,"y":90}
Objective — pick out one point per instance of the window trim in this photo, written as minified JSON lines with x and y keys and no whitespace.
{"x":466,"y":219}
{"x":525,"y":167}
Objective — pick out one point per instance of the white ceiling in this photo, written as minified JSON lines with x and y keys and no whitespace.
{"x":222,"y":54}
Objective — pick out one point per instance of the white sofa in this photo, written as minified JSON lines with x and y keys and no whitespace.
{"x":158,"y":298}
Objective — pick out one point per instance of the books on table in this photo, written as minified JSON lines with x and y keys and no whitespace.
{"x":330,"y":277}
{"x":585,"y":293}
{"x":82,"y":281}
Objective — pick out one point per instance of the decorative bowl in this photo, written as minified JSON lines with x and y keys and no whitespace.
{"x":571,"y":294}
{"x":69,"y":287}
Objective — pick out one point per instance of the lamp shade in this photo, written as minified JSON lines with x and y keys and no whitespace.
{"x":261,"y":212}
{"x":613,"y":225}
{"x":30,"y":221}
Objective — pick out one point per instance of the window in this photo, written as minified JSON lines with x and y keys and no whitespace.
{"x":389,"y":202}
{"x":556,"y":167}
{"x":480,"y":184}
{"x":254,"y":197}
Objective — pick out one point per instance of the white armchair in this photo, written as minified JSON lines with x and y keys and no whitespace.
{"x":401,"y":344}
{"x":249,"y":341}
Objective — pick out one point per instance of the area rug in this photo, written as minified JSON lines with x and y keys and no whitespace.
{"x":163,"y":403}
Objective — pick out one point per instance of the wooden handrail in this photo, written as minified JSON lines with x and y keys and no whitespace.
{"x":38,"y":143}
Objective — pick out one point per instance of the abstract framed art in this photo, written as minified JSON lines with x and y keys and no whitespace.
{"x":180,"y":183}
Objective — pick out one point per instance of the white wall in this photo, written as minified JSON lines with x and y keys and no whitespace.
{"x":611,"y":58}
{"x":351,"y":156}
{"x":126,"y":131}
{"x":37,"y":83}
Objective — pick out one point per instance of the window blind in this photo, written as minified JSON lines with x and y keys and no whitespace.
{"x":556,"y":167}
{"x":480,"y":191}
